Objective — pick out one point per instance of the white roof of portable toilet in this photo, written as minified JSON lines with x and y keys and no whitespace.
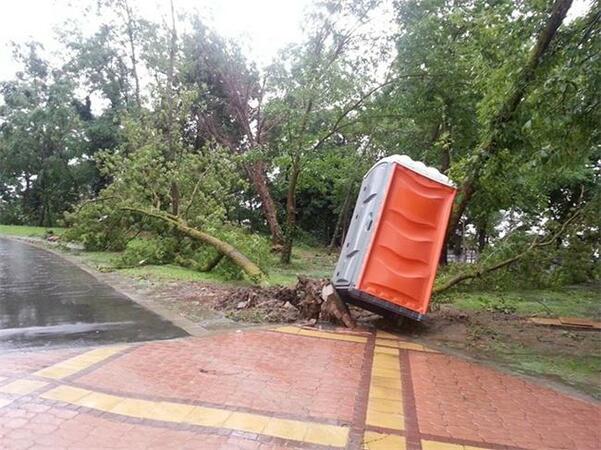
{"x":418,"y":167}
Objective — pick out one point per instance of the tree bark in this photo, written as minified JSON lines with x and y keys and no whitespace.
{"x":488,"y":145}
{"x":258,"y":178}
{"x":170,"y":124}
{"x":481,"y":235}
{"x":212,"y":263}
{"x":341,"y":215}
{"x":291,"y":211}
{"x":132,"y":47}
{"x":444,"y":255}
{"x":250,"y":268}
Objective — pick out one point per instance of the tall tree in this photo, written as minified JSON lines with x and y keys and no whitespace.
{"x":41,"y":144}
{"x":505,"y":111}
{"x":322,"y":86}
{"x":231,"y":109}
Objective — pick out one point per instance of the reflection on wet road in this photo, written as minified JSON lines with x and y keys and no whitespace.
{"x":45,"y":300}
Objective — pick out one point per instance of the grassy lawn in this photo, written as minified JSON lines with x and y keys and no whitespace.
{"x":27,"y":231}
{"x":314,"y":262}
{"x":570,"y":357}
{"x":580,"y":301}
{"x":170,"y":272}
{"x":309,"y":261}
{"x":579,"y":371}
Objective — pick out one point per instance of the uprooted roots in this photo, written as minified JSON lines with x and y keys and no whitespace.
{"x":307,"y":301}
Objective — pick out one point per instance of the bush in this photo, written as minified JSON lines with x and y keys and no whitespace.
{"x":98,"y":227}
{"x":255,"y":246}
{"x":156,"y":250}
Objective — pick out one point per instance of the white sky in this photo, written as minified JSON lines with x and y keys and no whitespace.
{"x":265,"y":26}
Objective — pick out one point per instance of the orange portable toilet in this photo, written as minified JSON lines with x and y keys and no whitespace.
{"x":390,"y":254}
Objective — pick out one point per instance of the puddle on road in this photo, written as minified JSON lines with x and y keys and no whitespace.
{"x":45,"y":301}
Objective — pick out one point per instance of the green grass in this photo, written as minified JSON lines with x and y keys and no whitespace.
{"x":101,"y":259}
{"x":580,"y":371}
{"x":27,"y":231}
{"x":306,"y":261}
{"x":309,"y":261}
{"x":580,"y":301}
{"x":314,"y":262}
{"x":170,"y":272}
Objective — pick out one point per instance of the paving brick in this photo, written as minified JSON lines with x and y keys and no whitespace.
{"x":264,"y":390}
{"x":27,"y":362}
{"x":232,"y":369}
{"x":462,"y":400}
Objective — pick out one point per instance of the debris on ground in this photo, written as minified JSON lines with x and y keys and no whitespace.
{"x":567,"y":322}
{"x":311,"y":300}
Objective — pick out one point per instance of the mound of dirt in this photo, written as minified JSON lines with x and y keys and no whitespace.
{"x":307,"y":301}
{"x":255,"y":304}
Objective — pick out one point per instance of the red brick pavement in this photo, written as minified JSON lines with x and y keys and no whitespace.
{"x":447,"y":401}
{"x":34,"y":425}
{"x":461,"y":400}
{"x":264,"y":371}
{"x":13,"y":363}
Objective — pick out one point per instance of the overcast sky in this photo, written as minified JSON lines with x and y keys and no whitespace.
{"x":264,"y":25}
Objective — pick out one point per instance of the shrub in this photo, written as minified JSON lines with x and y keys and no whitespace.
{"x":254,"y":246}
{"x":154,"y":250}
{"x":98,"y":227}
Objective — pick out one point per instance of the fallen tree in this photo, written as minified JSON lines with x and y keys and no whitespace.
{"x":253,"y":271}
{"x":537,"y":243}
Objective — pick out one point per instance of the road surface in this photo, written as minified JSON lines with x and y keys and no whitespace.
{"x":47,"y":301}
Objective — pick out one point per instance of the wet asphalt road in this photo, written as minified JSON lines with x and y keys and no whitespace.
{"x":47,"y":301}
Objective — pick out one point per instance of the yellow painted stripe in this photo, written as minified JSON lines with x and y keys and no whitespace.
{"x":19,"y":388}
{"x":385,"y":403}
{"x":22,"y":387}
{"x":322,"y":334}
{"x":403,"y":345}
{"x":386,"y":335}
{"x":418,"y":347}
{"x":386,"y":350}
{"x":78,"y":363}
{"x":296,"y":430}
{"x":437,"y":445}
{"x":383,"y":441}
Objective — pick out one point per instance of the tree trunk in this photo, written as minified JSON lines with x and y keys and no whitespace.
{"x":170,"y":124}
{"x":291,"y":211}
{"x":445,"y":164}
{"x":346,"y":221}
{"x":341,"y":215}
{"x":482,"y":238}
{"x":250,"y":268}
{"x":256,"y":174}
{"x":444,"y":255}
{"x":457,"y":242}
{"x":212,"y":263}
{"x":487,"y":147}
{"x":132,"y":49}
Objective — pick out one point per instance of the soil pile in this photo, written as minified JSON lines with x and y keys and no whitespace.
{"x":308,"y":301}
